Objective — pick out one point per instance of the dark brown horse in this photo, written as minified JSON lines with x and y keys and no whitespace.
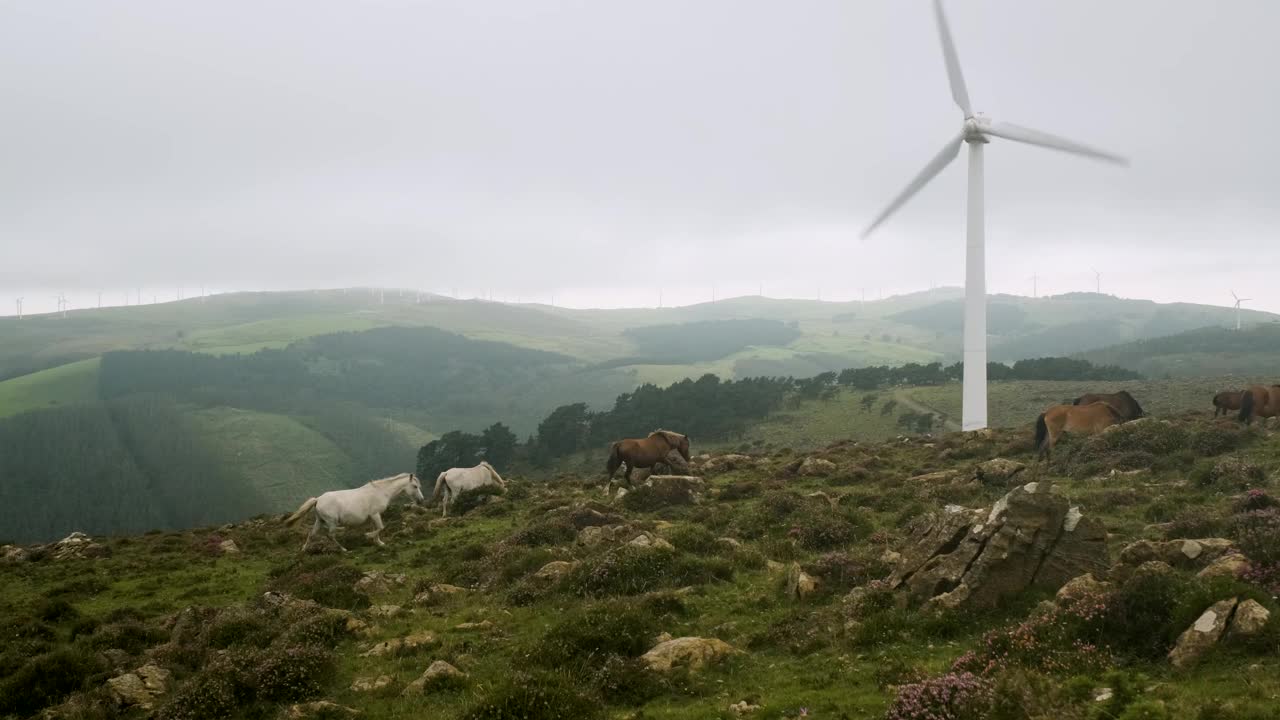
{"x":1227,"y":402}
{"x":1122,"y":402}
{"x":647,"y":452}
{"x":1259,"y":401}
{"x":1084,"y":419}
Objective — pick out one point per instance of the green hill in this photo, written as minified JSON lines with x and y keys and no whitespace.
{"x":1211,"y":351}
{"x":552,"y":603}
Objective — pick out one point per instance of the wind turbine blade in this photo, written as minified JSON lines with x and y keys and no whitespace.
{"x":935,"y":166}
{"x":1017,"y":133}
{"x":958,"y":90}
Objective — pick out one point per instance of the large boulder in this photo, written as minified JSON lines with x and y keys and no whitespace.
{"x":687,"y":652}
{"x":1230,"y":565}
{"x":1031,"y":537}
{"x":555,"y":570}
{"x":799,"y":583}
{"x":141,"y":687}
{"x":1080,"y":588}
{"x":1203,"y":634}
{"x":691,"y":484}
{"x":1249,"y":619}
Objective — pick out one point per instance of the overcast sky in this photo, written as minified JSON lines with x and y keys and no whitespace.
{"x":599,"y":150}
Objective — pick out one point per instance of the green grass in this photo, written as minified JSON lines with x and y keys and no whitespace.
{"x":68,"y":384}
{"x":285,"y":461}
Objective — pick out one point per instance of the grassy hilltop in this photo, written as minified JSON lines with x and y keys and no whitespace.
{"x":718,"y":558}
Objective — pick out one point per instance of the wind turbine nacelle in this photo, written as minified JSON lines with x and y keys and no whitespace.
{"x":975,"y":128}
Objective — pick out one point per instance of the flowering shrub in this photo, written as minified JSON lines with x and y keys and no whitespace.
{"x":1058,"y":641}
{"x":1264,"y":575}
{"x":1256,"y":499}
{"x":1257,"y":532}
{"x":954,"y":696}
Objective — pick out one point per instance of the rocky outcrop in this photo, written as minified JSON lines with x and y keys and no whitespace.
{"x":409,"y":643}
{"x":1229,"y":565}
{"x":691,"y":484}
{"x":555,"y":570}
{"x":601,"y":534}
{"x":999,"y":471}
{"x":1190,"y":554}
{"x":142,"y":687}
{"x":376,"y":583}
{"x":1030,"y":538}
{"x":437,"y":593}
{"x":1249,"y":620}
{"x":725,"y":463}
{"x":371,"y":684}
{"x":816,"y":467}
{"x":1203,"y":634}
{"x":799,"y":583}
{"x":440,"y":674}
{"x":645,"y":540}
{"x":686,"y":652}
{"x":1080,"y":588}
{"x":76,"y":546}
{"x":12,"y":555}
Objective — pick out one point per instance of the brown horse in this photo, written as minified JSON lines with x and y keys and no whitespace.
{"x":1079,"y":419}
{"x":646,"y":453}
{"x":1259,"y":401}
{"x":1226,"y":402}
{"x":1122,"y":402}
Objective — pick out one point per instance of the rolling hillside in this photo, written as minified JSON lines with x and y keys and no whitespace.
{"x":1203,"y":352}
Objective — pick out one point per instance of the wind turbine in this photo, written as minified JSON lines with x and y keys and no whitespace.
{"x":1097,"y":279}
{"x":19,"y":304}
{"x":1238,"y":301}
{"x":1035,"y":286}
{"x":977,"y":131}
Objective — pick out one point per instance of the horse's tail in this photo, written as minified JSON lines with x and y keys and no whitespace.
{"x":440,"y":486}
{"x":306,"y":508}
{"x":1042,"y":431}
{"x":615,"y":457}
{"x":1246,"y":406}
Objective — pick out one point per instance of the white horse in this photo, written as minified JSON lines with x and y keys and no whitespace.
{"x":458,"y":480}
{"x":354,"y":507}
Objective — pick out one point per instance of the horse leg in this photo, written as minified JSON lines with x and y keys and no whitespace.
{"x":311,"y":535}
{"x":377,"y":529}
{"x":444,"y":503}
{"x":333,"y":534}
{"x":630,"y":467}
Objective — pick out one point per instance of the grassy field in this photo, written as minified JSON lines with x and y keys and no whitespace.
{"x":68,"y":384}
{"x":285,"y":461}
{"x":566,"y":648}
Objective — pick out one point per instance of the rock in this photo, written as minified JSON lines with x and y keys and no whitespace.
{"x":285,"y":601}
{"x":672,"y":485}
{"x":1249,"y":620}
{"x":141,"y":687}
{"x":358,"y":627}
{"x":799,"y":584}
{"x":743,"y":708}
{"x":726,"y":463}
{"x":601,"y":534}
{"x":470,"y":626}
{"x":76,"y":546}
{"x":317,"y":710}
{"x":1189,"y":554}
{"x":229,"y":547}
{"x":1203,"y":634}
{"x":774,"y":566}
{"x":1229,"y":565}
{"x":1079,"y":588}
{"x":1030,"y":538}
{"x":729,"y":543}
{"x":438,"y":675}
{"x":585,"y":517}
{"x":687,"y":652}
{"x":817,"y":467}
{"x":377,"y":583}
{"x":999,"y":471}
{"x":890,"y":557}
{"x":12,"y":555}
{"x":370,"y":684}
{"x":385,"y":611}
{"x":437,"y":592}
{"x":555,"y":570}
{"x":416,"y":641}
{"x":645,"y":540}
{"x":941,"y":477}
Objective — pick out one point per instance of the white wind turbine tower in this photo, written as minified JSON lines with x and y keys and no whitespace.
{"x":19,"y":304}
{"x":977,"y":131}
{"x":1238,"y":301}
{"x":1097,"y":279}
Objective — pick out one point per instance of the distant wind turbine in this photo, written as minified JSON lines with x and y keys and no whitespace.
{"x":977,"y":132}
{"x":1097,"y":279}
{"x":1035,"y":290}
{"x":19,"y":304}
{"x":1238,"y":301}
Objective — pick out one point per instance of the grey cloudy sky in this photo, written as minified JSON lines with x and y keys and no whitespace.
{"x":598,"y":150}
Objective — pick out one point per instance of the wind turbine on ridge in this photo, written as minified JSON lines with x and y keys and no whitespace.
{"x":1238,"y":301}
{"x":1097,"y":279}
{"x":977,"y":131}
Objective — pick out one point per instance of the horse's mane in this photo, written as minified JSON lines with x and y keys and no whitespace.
{"x":383,"y":482}
{"x":667,"y":434}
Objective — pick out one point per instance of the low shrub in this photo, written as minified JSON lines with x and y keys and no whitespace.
{"x":1216,"y":439}
{"x":239,"y":626}
{"x":953,"y":696}
{"x":798,"y":632}
{"x":132,"y":636}
{"x":56,"y":610}
{"x":324,"y":579}
{"x":695,"y":539}
{"x":548,"y":530}
{"x":526,"y":696}
{"x":739,"y":490}
{"x":1257,"y":533}
{"x":828,"y":530}
{"x":624,"y":570}
{"x":47,"y":679}
{"x":468,"y":500}
{"x":1149,"y":435}
{"x":625,"y":681}
{"x":648,"y":498}
{"x":288,"y":673}
{"x":599,"y":630}
{"x":205,"y":696}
